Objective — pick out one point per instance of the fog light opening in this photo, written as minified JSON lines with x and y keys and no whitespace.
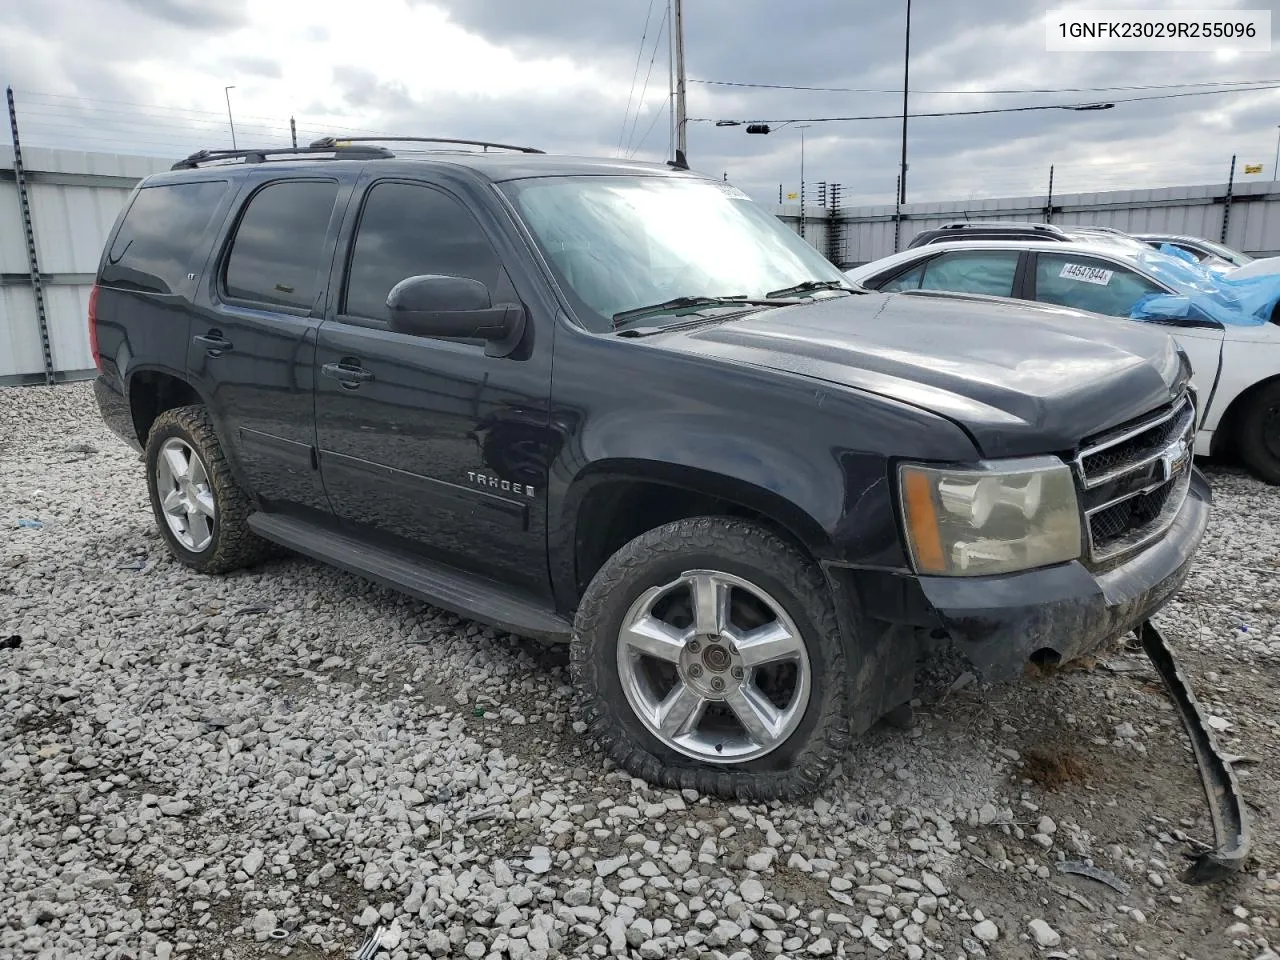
{"x":1046,"y":657}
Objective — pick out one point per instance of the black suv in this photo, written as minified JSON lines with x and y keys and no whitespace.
{"x":618,"y":404}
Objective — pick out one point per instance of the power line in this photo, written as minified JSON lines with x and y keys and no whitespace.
{"x":652,"y":123}
{"x":657,"y":41}
{"x":635,"y":73}
{"x":971,"y":113}
{"x":1154,"y":86}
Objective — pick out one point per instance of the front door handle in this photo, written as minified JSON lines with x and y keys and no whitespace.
{"x":213,"y":341}
{"x":347,"y":374}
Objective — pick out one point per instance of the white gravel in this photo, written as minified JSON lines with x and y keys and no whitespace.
{"x":287,"y":760}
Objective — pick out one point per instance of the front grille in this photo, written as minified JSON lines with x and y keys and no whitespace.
{"x":1134,"y":480}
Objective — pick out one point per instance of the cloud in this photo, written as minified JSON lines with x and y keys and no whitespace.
{"x":148,"y":75}
{"x":254,"y":67}
{"x":197,"y":14}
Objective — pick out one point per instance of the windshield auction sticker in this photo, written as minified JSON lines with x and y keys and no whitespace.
{"x":730,"y":191}
{"x":1158,"y":30}
{"x":1086,"y":274}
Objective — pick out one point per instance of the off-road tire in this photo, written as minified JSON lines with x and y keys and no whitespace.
{"x":801,"y":763}
{"x":234,"y":545}
{"x":1252,"y":438}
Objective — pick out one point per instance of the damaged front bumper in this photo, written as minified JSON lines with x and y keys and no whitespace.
{"x":1060,"y":613}
{"x":1226,"y":809}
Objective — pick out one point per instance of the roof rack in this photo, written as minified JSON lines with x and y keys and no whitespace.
{"x":340,"y":152}
{"x":329,"y":143}
{"x":1088,"y":228}
{"x":1001,"y":225}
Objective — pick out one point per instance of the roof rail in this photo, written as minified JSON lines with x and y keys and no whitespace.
{"x":1001,"y":225}
{"x":332,"y":142}
{"x":260,"y":155}
{"x":1089,"y":228}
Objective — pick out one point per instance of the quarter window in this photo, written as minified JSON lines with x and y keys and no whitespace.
{"x":276,"y":256}
{"x":156,"y":243}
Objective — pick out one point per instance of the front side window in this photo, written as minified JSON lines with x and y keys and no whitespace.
{"x":407,"y":230}
{"x":619,"y":243}
{"x":907,"y":280}
{"x":987,"y":272}
{"x":279,"y":244}
{"x":1086,"y":283}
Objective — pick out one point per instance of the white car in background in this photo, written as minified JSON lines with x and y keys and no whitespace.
{"x":1236,"y":368}
{"x":1218,"y":257}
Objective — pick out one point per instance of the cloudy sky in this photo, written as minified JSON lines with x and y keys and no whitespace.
{"x":147,"y":76}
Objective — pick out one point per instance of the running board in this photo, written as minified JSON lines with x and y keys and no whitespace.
{"x":462,"y":593}
{"x":1226,"y":808}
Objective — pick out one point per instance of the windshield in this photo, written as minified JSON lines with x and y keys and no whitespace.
{"x":1226,"y":253}
{"x":621,"y":243}
{"x":1184,"y":276}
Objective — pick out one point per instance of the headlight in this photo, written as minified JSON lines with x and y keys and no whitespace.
{"x":998,"y":517}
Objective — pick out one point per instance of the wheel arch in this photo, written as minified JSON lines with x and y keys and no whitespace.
{"x":151,"y":391}
{"x":612,"y":502}
{"x":1225,"y":432}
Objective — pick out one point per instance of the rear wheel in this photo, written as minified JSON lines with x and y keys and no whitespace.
{"x":200,"y":509}
{"x":708,"y":656}
{"x":1259,"y":436}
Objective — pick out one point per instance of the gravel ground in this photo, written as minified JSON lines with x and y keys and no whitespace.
{"x":287,"y":760}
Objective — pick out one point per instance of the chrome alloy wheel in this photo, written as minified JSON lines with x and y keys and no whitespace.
{"x":713,"y":667}
{"x":186,"y":496}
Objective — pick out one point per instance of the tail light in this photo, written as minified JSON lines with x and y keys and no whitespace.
{"x":93,"y":327}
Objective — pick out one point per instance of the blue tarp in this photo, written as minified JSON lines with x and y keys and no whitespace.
{"x":1206,"y":294}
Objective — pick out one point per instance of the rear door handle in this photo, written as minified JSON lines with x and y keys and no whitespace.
{"x":346,"y":373}
{"x":213,"y":341}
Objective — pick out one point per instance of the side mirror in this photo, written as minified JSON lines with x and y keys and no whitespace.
{"x":455,"y":308}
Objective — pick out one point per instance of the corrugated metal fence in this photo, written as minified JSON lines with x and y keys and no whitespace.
{"x":74,"y":198}
{"x":1252,"y":214}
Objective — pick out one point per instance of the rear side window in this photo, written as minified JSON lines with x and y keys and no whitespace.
{"x":276,"y":253}
{"x":1089,"y":284}
{"x":157,"y":243}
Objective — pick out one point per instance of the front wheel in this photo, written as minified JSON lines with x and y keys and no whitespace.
{"x":1259,"y":437}
{"x":708,"y":656}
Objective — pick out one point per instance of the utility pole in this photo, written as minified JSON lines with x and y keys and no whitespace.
{"x":671,"y":80}
{"x":227,"y":92}
{"x":293,"y":132}
{"x":681,"y":119}
{"x":906,"y":75}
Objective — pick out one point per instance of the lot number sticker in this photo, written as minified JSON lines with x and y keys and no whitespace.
{"x":1078,"y":271}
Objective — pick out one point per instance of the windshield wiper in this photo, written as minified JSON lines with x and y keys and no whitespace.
{"x":681,"y":303}
{"x":808,"y":286}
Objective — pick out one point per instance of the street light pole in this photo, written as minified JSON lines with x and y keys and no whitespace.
{"x":906,"y":75}
{"x":227,"y":92}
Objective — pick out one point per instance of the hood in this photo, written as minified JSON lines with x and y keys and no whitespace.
{"x":1262,"y":267}
{"x":1019,"y":377}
